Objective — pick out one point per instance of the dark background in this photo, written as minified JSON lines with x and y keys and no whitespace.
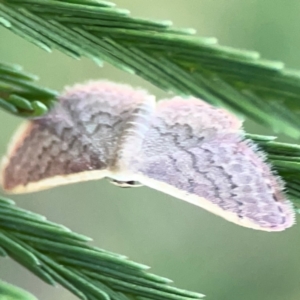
{"x":196,"y":249}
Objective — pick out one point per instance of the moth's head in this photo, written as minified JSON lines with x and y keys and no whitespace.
{"x":125,"y":184}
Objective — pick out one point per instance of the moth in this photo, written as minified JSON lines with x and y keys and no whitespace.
{"x":182,"y":147}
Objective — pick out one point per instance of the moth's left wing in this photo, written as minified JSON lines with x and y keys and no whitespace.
{"x":76,"y":141}
{"x":197,"y":153}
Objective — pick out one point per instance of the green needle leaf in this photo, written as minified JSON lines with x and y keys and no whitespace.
{"x":10,"y":292}
{"x":20,"y":96}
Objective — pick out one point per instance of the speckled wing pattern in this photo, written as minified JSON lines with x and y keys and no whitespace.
{"x":182,"y":147}
{"x":76,"y":141}
{"x":196,"y":152}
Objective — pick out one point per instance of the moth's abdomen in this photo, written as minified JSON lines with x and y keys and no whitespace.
{"x":133,"y":135}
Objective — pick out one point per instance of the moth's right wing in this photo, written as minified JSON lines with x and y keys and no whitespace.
{"x":76,"y":141}
{"x":197,"y":153}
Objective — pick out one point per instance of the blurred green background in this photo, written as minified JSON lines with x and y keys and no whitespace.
{"x":196,"y":249}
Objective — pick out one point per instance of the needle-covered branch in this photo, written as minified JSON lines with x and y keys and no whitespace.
{"x":58,"y":256}
{"x":172,"y":59}
{"x":20,"y":96}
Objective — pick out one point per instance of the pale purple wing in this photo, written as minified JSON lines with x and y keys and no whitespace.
{"x":197,"y":153}
{"x":76,"y":141}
